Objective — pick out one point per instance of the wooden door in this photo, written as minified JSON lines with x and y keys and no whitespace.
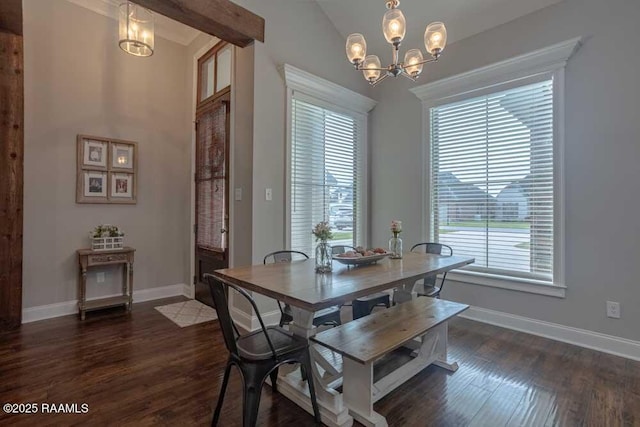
{"x":212,"y":191}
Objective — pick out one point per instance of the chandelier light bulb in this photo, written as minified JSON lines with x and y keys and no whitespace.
{"x":435,"y":38}
{"x":356,"y":48}
{"x":394,"y":26}
{"x":412,"y":61}
{"x":369,"y":66}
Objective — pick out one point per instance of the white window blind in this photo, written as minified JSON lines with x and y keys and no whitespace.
{"x":325,"y":169}
{"x":493,"y":181}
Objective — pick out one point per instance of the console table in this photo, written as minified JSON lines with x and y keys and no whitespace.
{"x":88,"y":258}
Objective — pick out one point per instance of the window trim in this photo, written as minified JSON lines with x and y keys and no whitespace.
{"x":521,"y":70}
{"x":326,"y":94}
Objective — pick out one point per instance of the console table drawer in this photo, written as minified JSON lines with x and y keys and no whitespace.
{"x":107,"y":259}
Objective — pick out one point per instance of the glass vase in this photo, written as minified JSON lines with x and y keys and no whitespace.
{"x":323,"y":257}
{"x":395,"y":247}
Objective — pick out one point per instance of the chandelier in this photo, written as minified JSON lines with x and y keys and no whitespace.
{"x":136,"y":29}
{"x":394,"y":28}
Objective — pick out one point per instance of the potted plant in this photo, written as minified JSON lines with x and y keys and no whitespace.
{"x":106,"y":237}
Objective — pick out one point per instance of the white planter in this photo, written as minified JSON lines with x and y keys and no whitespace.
{"x":107,"y":243}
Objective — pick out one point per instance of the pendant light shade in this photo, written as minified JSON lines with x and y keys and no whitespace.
{"x":370,"y":67}
{"x":136,"y":29}
{"x":394,"y":26}
{"x":435,"y":38}
{"x":356,"y":48}
{"x":413,"y":62}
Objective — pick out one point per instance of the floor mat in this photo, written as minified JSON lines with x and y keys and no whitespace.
{"x":188,"y":313}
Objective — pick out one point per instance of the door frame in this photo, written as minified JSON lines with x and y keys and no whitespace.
{"x":190,"y":289}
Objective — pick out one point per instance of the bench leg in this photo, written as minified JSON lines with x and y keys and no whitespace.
{"x":357,"y":389}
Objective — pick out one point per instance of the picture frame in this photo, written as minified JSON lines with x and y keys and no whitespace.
{"x":94,"y":153}
{"x":122,"y":187}
{"x":106,"y":170}
{"x":93,"y":187}
{"x":123,"y":156}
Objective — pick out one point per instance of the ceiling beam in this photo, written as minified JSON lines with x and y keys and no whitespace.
{"x":221,"y":18}
{"x":11,"y":16}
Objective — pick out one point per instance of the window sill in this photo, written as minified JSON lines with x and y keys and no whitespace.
{"x":511,"y":283}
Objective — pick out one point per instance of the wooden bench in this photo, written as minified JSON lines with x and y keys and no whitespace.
{"x":365,"y":340}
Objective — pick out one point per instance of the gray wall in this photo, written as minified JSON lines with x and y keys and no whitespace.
{"x":77,"y":80}
{"x":602,"y":194}
{"x":298,"y":33}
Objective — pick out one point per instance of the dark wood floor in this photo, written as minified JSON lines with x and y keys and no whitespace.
{"x":141,"y":369}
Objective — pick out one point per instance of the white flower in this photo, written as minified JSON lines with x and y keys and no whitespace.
{"x":396,"y":226}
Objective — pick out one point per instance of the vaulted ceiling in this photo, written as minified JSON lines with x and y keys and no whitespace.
{"x":463,"y":18}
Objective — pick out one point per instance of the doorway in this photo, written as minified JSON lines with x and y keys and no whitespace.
{"x":213,"y":113}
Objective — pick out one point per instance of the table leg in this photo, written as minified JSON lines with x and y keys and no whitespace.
{"x":130,"y":283}
{"x":290,"y":383}
{"x":125,"y":279}
{"x":83,"y":291}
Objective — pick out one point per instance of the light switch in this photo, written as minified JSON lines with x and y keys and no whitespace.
{"x":268,"y":194}
{"x":238,"y":193}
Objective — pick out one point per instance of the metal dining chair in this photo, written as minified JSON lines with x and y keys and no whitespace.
{"x":429,"y":287}
{"x":328,"y":316}
{"x":257,"y":355}
{"x":363,"y":306}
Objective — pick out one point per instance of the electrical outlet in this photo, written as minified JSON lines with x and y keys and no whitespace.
{"x":238,"y":194}
{"x":268,"y":194}
{"x":613,"y":309}
{"x":100,"y":277}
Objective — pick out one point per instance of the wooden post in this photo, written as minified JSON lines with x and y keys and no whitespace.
{"x":11,"y":177}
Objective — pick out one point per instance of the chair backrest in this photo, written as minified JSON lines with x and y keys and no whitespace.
{"x":340,"y":249}
{"x":433,"y":248}
{"x":436,"y":249}
{"x":284,"y":256}
{"x":229,"y":330}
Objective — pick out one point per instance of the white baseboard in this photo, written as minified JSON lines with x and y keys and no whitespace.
{"x":49,"y":311}
{"x":189,"y":291}
{"x":581,"y":337}
{"x":158,"y":293}
{"x":270,"y":318}
{"x":251,"y":323}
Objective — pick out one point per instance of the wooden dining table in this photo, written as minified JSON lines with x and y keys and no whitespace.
{"x":307,"y":292}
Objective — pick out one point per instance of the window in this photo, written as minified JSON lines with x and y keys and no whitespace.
{"x":494,"y":175}
{"x":326,"y":152}
{"x":214,"y":75}
{"x":492,"y":180}
{"x":325,"y":173}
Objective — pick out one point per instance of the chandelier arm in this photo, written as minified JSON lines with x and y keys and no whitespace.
{"x":413,"y":79}
{"x":381,"y":78}
{"x":360,"y":68}
{"x":426,"y":61}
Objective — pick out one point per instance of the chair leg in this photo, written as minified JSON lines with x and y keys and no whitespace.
{"x":251,"y":399}
{"x":306,"y":370}
{"x":274,"y":380}
{"x":337,"y":319}
{"x":223,"y":389}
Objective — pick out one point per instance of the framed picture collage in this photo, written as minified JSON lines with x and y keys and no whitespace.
{"x":106,"y":170}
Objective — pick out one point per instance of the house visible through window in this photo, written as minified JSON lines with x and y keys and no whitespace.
{"x":325,"y":172}
{"x":492,"y":180}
